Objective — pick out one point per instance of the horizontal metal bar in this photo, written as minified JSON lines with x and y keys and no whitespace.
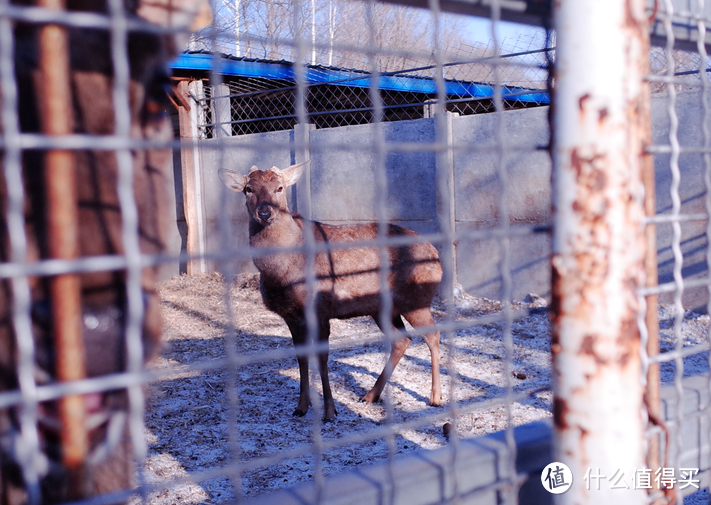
{"x":683,"y":353}
{"x":123,"y":380}
{"x":671,"y":218}
{"x":669,"y":287}
{"x":667,"y":149}
{"x":46,"y":267}
{"x":33,"y":141}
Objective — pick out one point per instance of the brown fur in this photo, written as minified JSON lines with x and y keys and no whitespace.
{"x":103,"y":293}
{"x":347,"y":280}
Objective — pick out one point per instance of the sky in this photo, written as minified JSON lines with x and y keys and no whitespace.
{"x":480,"y":30}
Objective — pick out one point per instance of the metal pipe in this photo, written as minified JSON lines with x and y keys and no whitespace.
{"x":652,"y":399}
{"x":60,"y":178}
{"x":601,"y":120}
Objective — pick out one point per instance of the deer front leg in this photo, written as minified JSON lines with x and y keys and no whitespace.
{"x":298,"y":335}
{"x":329,"y":406}
{"x":304,"y":401}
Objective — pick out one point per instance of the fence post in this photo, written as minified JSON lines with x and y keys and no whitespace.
{"x":192,"y":175}
{"x":223,"y":111}
{"x":601,"y":123}
{"x":445,"y":202}
{"x":302,"y":189}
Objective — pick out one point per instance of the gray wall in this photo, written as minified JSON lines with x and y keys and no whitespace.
{"x":342,"y":189}
{"x":478,"y":198}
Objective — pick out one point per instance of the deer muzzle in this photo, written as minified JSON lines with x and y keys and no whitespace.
{"x":265,"y":214}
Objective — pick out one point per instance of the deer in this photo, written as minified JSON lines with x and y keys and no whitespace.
{"x":347,"y":279}
{"x":108,"y":465}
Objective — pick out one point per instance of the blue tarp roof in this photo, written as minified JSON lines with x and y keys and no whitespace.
{"x":283,"y":70}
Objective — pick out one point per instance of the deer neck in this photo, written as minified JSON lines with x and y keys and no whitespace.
{"x":283,"y":231}
{"x":278,"y":269}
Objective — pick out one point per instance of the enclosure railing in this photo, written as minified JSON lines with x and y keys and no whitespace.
{"x":623,"y":439}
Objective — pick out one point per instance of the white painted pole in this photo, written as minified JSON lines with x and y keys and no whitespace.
{"x":197,"y":117}
{"x":601,"y":123}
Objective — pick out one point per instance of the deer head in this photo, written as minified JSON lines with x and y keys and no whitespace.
{"x":265,"y":190}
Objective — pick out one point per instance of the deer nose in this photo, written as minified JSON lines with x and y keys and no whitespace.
{"x":264,"y":213}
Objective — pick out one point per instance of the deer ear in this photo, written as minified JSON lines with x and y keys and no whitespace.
{"x":293,"y":173}
{"x":233,"y":180}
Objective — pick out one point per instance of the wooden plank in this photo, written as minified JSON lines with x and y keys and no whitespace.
{"x":192,"y":177}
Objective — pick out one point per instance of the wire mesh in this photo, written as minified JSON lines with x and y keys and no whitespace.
{"x":219,"y":400}
{"x":313,"y":103}
{"x":339,"y":96}
{"x":679,"y":83}
{"x":217,"y":407}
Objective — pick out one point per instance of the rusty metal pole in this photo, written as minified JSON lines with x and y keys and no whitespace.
{"x":601,"y":119}
{"x":56,"y":112}
{"x":652,"y":393}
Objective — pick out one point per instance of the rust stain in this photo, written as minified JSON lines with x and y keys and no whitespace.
{"x":556,"y":294}
{"x":628,"y":340}
{"x":560,"y":411}
{"x":582,"y":100}
{"x":588,"y":345}
{"x":602,"y":114}
{"x":588,"y":348}
{"x":637,"y":23}
{"x":587,"y":171}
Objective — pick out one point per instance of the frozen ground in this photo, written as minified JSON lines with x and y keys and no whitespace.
{"x":188,"y":413}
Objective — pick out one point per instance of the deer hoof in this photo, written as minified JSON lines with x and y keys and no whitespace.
{"x":299,"y":413}
{"x":368,"y":398}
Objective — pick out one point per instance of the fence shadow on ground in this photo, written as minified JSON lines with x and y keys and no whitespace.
{"x":189,"y":413}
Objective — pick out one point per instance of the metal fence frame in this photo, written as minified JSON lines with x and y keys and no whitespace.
{"x":505,"y":466}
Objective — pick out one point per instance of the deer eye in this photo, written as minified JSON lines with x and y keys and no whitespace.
{"x":247,"y":190}
{"x":280,"y":189}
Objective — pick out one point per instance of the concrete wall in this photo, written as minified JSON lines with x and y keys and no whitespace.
{"x":478,"y":197}
{"x":341,"y":187}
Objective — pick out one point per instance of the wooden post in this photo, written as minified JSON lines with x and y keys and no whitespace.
{"x":192,"y":175}
{"x":55,"y":102}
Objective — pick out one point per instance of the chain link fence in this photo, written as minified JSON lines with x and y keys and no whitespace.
{"x":340,"y":96}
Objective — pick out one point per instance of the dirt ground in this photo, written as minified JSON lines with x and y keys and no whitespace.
{"x":189,"y":412}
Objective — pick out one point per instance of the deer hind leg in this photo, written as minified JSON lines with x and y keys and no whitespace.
{"x":397,"y":350}
{"x":421,"y":318}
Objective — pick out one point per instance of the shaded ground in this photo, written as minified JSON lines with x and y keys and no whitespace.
{"x":188,"y":413}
